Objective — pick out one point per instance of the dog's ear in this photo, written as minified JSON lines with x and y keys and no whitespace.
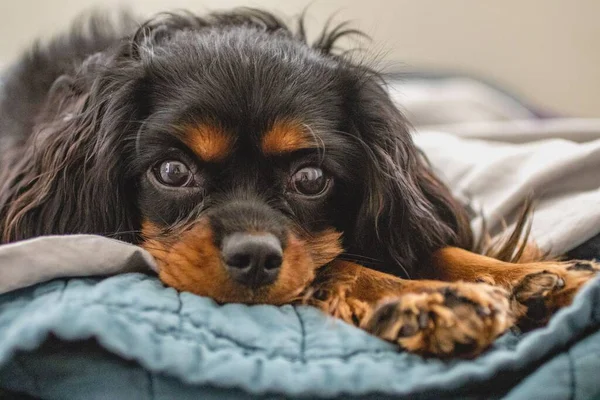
{"x":70,"y":177}
{"x":406,"y":212}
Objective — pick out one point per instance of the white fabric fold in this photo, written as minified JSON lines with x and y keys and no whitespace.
{"x":557,"y":166}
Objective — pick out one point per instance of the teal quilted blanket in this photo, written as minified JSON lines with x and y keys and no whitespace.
{"x":129,"y":337}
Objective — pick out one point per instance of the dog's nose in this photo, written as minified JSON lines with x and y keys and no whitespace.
{"x":252,"y":259}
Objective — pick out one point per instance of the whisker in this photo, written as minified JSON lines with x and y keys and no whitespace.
{"x":361,"y":257}
{"x":112,"y":234}
{"x":319,"y":140}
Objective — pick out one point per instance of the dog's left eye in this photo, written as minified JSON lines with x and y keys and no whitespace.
{"x":310,"y":181}
{"x":174,"y":173}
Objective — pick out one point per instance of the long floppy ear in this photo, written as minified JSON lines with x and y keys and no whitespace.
{"x":406,"y":212}
{"x":69,"y":176}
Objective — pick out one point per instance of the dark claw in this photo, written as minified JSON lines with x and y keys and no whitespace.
{"x":423,"y":320}
{"x":385,"y":313}
{"x":451,"y":298}
{"x":483,"y":311}
{"x":408,"y":330}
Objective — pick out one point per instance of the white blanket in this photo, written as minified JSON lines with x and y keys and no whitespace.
{"x":562,"y":175}
{"x":490,"y":147}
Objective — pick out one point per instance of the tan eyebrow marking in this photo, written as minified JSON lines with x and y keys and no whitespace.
{"x":286,"y":137}
{"x":209,"y":142}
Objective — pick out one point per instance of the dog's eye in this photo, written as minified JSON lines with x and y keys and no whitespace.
{"x":174,"y":173}
{"x":309,"y":181}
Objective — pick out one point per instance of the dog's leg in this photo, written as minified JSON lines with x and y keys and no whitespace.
{"x":538,"y":288}
{"x":427,"y":317}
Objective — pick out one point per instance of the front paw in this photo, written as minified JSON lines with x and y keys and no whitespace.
{"x":538,"y":295}
{"x":460,"y":319}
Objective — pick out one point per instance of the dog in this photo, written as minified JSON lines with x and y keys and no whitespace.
{"x":258,"y":168}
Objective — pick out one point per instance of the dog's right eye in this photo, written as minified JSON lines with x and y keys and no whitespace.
{"x":174,"y":173}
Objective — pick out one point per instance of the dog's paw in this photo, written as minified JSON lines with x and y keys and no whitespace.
{"x":460,"y":319}
{"x":538,"y":295}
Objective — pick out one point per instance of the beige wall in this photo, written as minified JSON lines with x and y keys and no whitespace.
{"x":546,"y":50}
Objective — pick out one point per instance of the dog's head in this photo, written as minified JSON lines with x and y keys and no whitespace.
{"x":241,"y":157}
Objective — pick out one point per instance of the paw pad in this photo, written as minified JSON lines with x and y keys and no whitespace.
{"x":461,"y":319}
{"x":537,"y":285}
{"x":542,"y":293}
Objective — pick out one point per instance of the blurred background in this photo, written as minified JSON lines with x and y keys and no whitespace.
{"x":546,"y":51}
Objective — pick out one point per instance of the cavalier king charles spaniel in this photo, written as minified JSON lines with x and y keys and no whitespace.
{"x":259,"y":168}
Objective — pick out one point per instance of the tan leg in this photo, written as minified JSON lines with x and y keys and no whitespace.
{"x":427,"y":317}
{"x":538,"y":288}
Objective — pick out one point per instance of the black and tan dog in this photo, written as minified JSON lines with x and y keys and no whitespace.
{"x":257,"y":168}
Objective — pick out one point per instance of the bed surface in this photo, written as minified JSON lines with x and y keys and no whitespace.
{"x":150,"y":342}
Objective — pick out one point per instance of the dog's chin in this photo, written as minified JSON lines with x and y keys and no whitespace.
{"x":277,"y":293}
{"x":192,"y":263}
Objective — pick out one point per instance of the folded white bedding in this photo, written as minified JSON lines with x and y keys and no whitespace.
{"x":490,"y":147}
{"x":557,"y":162}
